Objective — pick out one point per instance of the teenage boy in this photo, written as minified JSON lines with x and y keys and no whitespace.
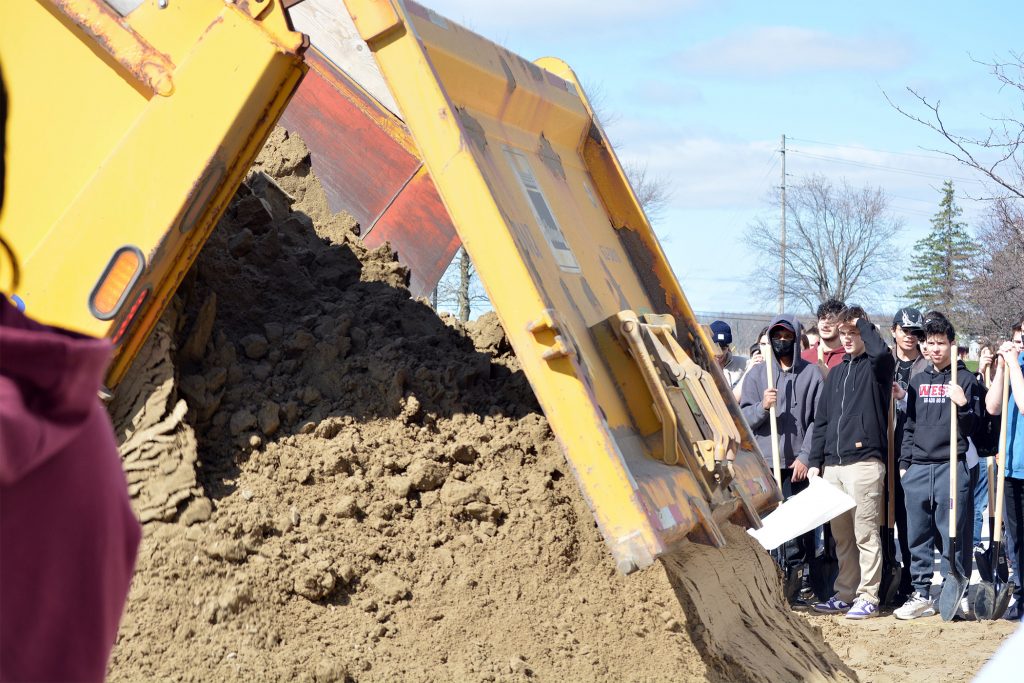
{"x":908,"y":333}
{"x":850,"y":443}
{"x":795,"y":396}
{"x":731,"y":364}
{"x":925,"y":467}
{"x":1011,"y":360}
{"x":831,"y":348}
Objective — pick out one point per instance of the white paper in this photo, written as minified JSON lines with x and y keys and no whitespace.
{"x":820,"y":502}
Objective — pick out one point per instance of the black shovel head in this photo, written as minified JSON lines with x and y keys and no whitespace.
{"x":983,"y":562}
{"x":1002,"y":599}
{"x":954,"y":588}
{"x":985,"y":601}
{"x":890,"y":584}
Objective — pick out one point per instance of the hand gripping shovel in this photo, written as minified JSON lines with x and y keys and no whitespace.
{"x":994,"y":590}
{"x":792,"y":580}
{"x":891,"y":569}
{"x":955,"y":586}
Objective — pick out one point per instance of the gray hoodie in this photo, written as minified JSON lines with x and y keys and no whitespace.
{"x":798,"y":391}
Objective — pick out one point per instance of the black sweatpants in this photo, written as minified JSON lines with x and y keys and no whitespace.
{"x":926,"y":488}
{"x":1013,"y":518}
{"x":906,"y":583}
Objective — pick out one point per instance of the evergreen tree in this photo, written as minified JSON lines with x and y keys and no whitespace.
{"x":941,"y":264}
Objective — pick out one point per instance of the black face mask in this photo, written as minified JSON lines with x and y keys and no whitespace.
{"x":783,"y":347}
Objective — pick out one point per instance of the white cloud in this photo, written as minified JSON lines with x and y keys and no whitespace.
{"x":778,"y":50}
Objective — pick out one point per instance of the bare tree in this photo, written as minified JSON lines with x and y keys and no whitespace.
{"x":999,"y":153}
{"x":838,"y":244}
{"x":996,"y":289}
{"x":459,"y":289}
{"x":652,"y":191}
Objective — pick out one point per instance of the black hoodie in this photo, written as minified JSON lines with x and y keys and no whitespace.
{"x":926,"y":432}
{"x":850,"y":423}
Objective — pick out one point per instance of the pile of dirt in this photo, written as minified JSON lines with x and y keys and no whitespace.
{"x":384,"y":500}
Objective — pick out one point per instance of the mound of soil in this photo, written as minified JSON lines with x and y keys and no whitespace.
{"x":382,"y":498}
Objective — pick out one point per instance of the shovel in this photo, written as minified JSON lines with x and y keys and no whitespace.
{"x":982,"y":558}
{"x":891,"y":569}
{"x":994,"y":591}
{"x":792,"y":579}
{"x":955,"y":586}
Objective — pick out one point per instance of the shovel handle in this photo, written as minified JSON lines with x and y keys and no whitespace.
{"x":954,"y":358}
{"x":890,"y":465}
{"x":1001,"y":458}
{"x":773,"y":416}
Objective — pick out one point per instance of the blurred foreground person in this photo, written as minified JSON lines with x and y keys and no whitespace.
{"x":68,"y":537}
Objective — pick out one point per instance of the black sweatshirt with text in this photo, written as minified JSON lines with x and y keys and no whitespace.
{"x":926,"y":432}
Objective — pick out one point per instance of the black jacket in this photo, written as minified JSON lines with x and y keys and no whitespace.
{"x":926,"y":432}
{"x":850,"y":424}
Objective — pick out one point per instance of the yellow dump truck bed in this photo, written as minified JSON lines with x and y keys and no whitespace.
{"x":574,"y":271}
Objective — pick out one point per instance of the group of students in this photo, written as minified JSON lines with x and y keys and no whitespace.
{"x":832,"y":400}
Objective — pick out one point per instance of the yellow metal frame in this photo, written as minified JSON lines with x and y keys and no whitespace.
{"x":562,"y":247}
{"x":131,"y":131}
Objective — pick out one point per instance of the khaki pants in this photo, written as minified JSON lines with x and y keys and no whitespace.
{"x":858,"y":542}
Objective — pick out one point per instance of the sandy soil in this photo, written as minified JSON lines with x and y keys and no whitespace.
{"x":929,"y":649}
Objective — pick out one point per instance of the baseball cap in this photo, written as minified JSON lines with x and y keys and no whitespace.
{"x":721,"y":333}
{"x":908,"y":318}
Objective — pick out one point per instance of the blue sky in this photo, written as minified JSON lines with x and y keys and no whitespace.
{"x":701,"y":92}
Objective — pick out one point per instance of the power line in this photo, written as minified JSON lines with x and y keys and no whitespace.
{"x":883,"y":167}
{"x":869,"y":149}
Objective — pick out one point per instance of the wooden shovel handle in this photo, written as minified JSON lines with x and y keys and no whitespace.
{"x":773,"y":415}
{"x":1001,"y":458}
{"x":952,"y":444}
{"x":890,"y":466}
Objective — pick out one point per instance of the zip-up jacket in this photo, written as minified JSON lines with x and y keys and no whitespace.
{"x":850,"y":422}
{"x":797,"y":390}
{"x":926,"y":432}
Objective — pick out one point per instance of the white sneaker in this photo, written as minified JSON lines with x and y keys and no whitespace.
{"x":916,"y":606}
{"x":964,"y":610}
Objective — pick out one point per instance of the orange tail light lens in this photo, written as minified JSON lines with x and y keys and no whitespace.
{"x":117,"y":280}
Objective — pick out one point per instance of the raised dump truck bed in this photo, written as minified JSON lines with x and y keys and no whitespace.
{"x":576,"y":275}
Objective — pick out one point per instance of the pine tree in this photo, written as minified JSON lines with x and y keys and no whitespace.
{"x":941,"y":262}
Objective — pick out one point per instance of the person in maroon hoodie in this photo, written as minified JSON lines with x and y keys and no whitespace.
{"x":828,"y":352}
{"x":68,"y":537}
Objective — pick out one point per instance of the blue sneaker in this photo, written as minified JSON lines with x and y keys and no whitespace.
{"x":862,"y":609}
{"x":832,"y":606}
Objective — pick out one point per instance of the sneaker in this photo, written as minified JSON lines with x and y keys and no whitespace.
{"x":917,"y":606}
{"x":832,"y":606}
{"x":862,"y":609}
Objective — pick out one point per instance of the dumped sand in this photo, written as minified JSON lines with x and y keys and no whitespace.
{"x":382,"y":498}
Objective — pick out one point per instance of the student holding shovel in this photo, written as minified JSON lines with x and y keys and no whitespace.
{"x":933,"y":399}
{"x":792,"y":391}
{"x":1011,"y":362}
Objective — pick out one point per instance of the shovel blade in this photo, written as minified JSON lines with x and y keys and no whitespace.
{"x":983,"y":562}
{"x":954,"y":588}
{"x":890,"y":585}
{"x":1002,"y":599}
{"x":985,"y":601}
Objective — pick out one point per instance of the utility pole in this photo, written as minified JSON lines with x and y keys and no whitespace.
{"x":782,"y":236}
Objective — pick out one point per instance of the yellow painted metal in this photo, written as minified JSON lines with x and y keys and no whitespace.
{"x":562,"y":247}
{"x":133,"y":132}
